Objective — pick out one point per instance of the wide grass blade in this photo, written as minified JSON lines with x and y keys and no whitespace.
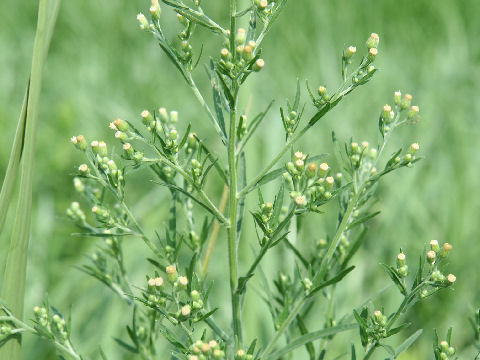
{"x":13,"y":287}
{"x":13,"y":163}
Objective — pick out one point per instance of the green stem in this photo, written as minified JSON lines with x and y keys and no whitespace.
{"x":232,"y":230}
{"x":370,"y":351}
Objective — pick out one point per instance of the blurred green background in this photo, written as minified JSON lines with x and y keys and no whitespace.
{"x":101,"y":66}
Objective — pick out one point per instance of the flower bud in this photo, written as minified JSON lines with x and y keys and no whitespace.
{"x":299,"y":165}
{"x":372,"y":54}
{"x":225,"y":54}
{"x":311,"y":170}
{"x":322,"y":91}
{"x":414,"y":148}
{"x":397,"y":97}
{"x":351,"y":50}
{"x":171,"y":273}
{"x":162,"y":113}
{"x":329,"y":181}
{"x":323,"y":169}
{"x":186,"y":310}
{"x":443,"y":345}
{"x":405,"y":103}
{"x":414,"y":110}
{"x":128,"y":149}
{"x":120,"y":135}
{"x":248,"y":53}
{"x":240,"y":355}
{"x":434,"y":245}
{"x":155,"y":10}
{"x":143,"y":22}
{"x":120,"y":124}
{"x":431,"y":256}
{"x":147,"y":118}
{"x":373,"y":41}
{"x":300,"y":200}
{"x":241,"y":36}
{"x":445,"y":250}
{"x":401,"y":259}
{"x":451,"y":278}
{"x":83,"y":169}
{"x":259,"y":64}
{"x":183,"y":282}
{"x":79,"y":142}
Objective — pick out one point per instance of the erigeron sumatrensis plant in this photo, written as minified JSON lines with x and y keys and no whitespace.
{"x":174,"y":301}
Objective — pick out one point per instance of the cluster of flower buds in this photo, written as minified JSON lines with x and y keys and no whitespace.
{"x":244,"y":57}
{"x":155,"y":12}
{"x":379,"y":321}
{"x":53,"y":323}
{"x":206,"y":350}
{"x":184,"y":36}
{"x":402,"y":112}
{"x":291,"y":122}
{"x":157,"y":296}
{"x":444,"y":351}
{"x":402,"y":268}
{"x":433,"y":257}
{"x":75,"y":213}
{"x":310,"y":184}
{"x":163,"y":126}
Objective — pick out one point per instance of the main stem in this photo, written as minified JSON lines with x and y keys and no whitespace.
{"x":232,"y":231}
{"x":233,"y":200}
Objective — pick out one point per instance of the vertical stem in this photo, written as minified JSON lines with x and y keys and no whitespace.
{"x":232,"y":230}
{"x":233,"y":200}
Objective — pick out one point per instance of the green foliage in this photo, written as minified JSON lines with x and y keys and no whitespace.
{"x":162,"y":155}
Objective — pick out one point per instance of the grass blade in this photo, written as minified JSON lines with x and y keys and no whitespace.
{"x":14,"y":276}
{"x":13,"y":163}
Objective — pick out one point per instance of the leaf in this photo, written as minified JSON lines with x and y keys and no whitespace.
{"x":190,"y":195}
{"x":408,"y":342}
{"x":126,"y":346}
{"x":241,"y":182}
{"x":361,"y":320}
{"x":297,"y":253}
{"x":13,"y":163}
{"x":217,"y":98}
{"x":303,"y":330}
{"x":397,"y":329}
{"x":302,"y":340}
{"x":207,"y":315}
{"x":362,"y":220}
{"x":332,"y":281}
{"x":226,"y":90}
{"x":13,"y":288}
{"x":185,"y":136}
{"x":395,"y":278}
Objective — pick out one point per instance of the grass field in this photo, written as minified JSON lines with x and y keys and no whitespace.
{"x":101,"y":66}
